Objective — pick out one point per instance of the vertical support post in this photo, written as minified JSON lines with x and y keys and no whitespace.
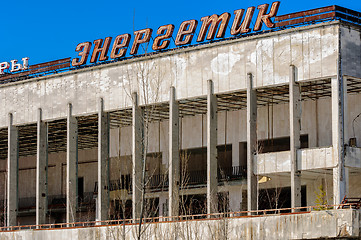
{"x":339,"y":138}
{"x":137,"y":157}
{"x":212,"y":178}
{"x":41,"y":170}
{"x":235,"y":154}
{"x":174,"y":161}
{"x":103,"y":163}
{"x":12,"y":173}
{"x":71,"y":167}
{"x":252,"y":196}
{"x":295,"y":142}
{"x":235,"y":198}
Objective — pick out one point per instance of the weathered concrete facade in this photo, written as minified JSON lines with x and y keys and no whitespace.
{"x":314,"y":51}
{"x":340,"y":224}
{"x":255,"y":70}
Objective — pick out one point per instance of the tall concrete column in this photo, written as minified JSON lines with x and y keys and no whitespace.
{"x":235,"y":198}
{"x":212,"y":178}
{"x":12,"y":173}
{"x":71,"y":167}
{"x":339,"y":138}
{"x":41,"y":170}
{"x":235,"y":154}
{"x":174,"y":161}
{"x":103,"y":163}
{"x":252,"y":196}
{"x":295,"y":133}
{"x":163,"y":208}
{"x":137,"y":157}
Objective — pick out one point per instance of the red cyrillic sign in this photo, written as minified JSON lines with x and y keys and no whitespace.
{"x":210,"y":27}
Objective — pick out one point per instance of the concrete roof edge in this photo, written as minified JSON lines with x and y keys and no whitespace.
{"x":177,"y":51}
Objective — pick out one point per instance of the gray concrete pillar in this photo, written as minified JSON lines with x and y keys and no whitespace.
{"x":235,"y":198}
{"x":12,"y":173}
{"x":235,"y":154}
{"x":212,"y":178}
{"x":252,"y":196}
{"x":339,"y":138}
{"x":174,"y":161}
{"x":41,"y":170}
{"x":103,"y":163}
{"x":58,"y":178}
{"x":295,"y":133}
{"x":137,"y":157}
{"x":163,"y":202}
{"x":71,"y":167}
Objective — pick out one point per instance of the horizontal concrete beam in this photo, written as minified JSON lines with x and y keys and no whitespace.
{"x":311,"y":158}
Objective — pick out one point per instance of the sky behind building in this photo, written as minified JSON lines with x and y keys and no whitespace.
{"x":50,"y":30}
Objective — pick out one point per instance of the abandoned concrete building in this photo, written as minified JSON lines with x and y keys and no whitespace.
{"x":264,"y":120}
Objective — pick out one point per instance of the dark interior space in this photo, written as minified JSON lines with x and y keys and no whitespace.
{"x":275,"y":198}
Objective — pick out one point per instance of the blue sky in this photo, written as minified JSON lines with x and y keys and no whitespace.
{"x":50,"y":30}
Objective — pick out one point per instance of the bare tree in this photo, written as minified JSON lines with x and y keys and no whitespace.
{"x":145,"y":78}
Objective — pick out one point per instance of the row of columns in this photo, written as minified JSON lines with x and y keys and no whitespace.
{"x":339,"y":139}
{"x":339,"y":101}
{"x":41,"y":208}
{"x":295,"y":143}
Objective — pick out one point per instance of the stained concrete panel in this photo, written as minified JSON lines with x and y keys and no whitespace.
{"x":353,"y":157}
{"x":226,"y":63}
{"x":280,"y":162}
{"x":282,"y":58}
{"x":297,"y":52}
{"x":350,"y":50}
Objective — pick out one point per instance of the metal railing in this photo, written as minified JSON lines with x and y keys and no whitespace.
{"x":203,"y":217}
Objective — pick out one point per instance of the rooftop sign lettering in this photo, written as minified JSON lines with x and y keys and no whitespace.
{"x":14,"y":66}
{"x":210,"y":27}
